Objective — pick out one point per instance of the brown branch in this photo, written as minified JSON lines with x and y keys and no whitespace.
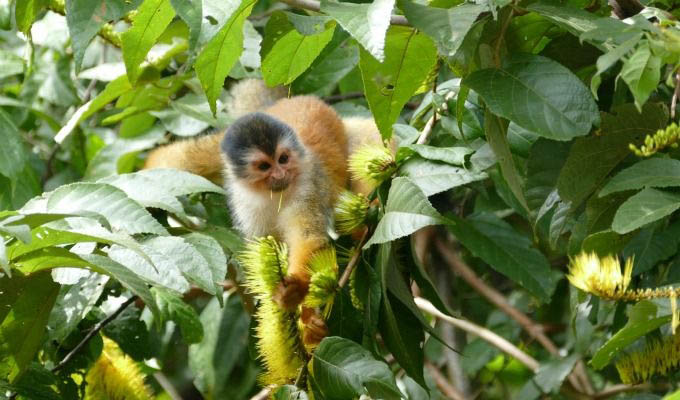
{"x":676,"y":93}
{"x":443,"y":384}
{"x":353,"y":261}
{"x":313,"y":5}
{"x":95,"y":329}
{"x":621,"y":388}
{"x":496,"y":298}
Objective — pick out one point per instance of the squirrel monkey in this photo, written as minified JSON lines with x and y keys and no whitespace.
{"x":282,"y":167}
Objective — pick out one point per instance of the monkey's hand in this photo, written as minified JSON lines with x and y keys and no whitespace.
{"x":291,"y":292}
{"x":315,"y":327}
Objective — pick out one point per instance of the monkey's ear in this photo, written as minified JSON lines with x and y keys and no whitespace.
{"x":291,"y":292}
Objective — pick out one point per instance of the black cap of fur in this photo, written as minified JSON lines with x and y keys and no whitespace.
{"x":255,"y":130}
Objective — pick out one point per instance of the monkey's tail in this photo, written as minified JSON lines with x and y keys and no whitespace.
{"x":200,"y":155}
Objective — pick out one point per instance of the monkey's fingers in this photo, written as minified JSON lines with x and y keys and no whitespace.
{"x":315,"y":328}
{"x":290,"y":293}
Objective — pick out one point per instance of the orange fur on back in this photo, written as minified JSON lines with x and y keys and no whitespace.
{"x":200,"y":156}
{"x":320,"y":130}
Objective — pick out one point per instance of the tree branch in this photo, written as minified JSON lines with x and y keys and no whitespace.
{"x":313,"y":5}
{"x":93,"y":332}
{"x":483,"y":333}
{"x":444,"y":386}
{"x":496,"y":298}
{"x":353,"y":261}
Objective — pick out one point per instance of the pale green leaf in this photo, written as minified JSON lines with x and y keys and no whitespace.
{"x":12,"y":153}
{"x":173,"y":308}
{"x":433,"y":177}
{"x":10,"y":64}
{"x":642,"y":72}
{"x":644,"y":207}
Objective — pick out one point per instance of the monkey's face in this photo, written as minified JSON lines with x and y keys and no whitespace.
{"x":273,"y":172}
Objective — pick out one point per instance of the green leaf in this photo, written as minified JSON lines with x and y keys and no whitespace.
{"x":287,"y":52}
{"x":48,"y":258}
{"x":173,"y":308}
{"x":221,"y":53}
{"x":211,"y":251}
{"x":191,"y":12}
{"x":432,"y":177}
{"x":644,"y":207}
{"x":12,"y":153}
{"x":290,"y":392}
{"x":336,"y":60}
{"x":447,"y":27}
{"x":495,"y":130}
{"x":550,"y":375}
{"x":409,"y":59}
{"x":26,"y":11}
{"x":110,"y":159}
{"x":592,"y":158}
{"x":23,"y":327}
{"x":367,"y":23}
{"x":43,"y":236}
{"x":604,"y":243}
{"x":642,"y":319}
{"x":649,"y":247}
{"x":85,"y":17}
{"x":538,"y":94}
{"x":449,"y":155}
{"x":406,"y":211}
{"x":655,"y":172}
{"x":508,"y":252}
{"x":642,"y":72}
{"x":125,"y":276}
{"x":180,"y":183}
{"x":106,"y":200}
{"x":607,"y":60}
{"x":345,"y":370}
{"x":151,"y":19}
{"x":10,"y":64}
{"x":220,"y":361}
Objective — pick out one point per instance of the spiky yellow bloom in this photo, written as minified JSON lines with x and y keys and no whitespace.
{"x":323,"y":272}
{"x":602,"y":276}
{"x":350,"y":212}
{"x":663,"y":138}
{"x":659,"y":357}
{"x":115,"y":376}
{"x":265,"y":262}
{"x":372,"y":164}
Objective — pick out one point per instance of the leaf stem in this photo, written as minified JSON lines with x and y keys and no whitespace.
{"x":353,"y":261}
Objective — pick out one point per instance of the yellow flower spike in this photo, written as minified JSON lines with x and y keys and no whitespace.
{"x":323,"y":272}
{"x":265,"y":263}
{"x":115,"y":376}
{"x":600,"y":276}
{"x":657,"y":358}
{"x":350,"y":212}
{"x":663,"y":138}
{"x":372,"y":164}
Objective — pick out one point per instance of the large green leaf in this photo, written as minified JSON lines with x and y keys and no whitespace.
{"x":406,"y":211}
{"x":592,"y":158}
{"x":655,"y":172}
{"x":550,"y":375}
{"x":505,"y":250}
{"x":287,"y":52}
{"x":191,"y":13}
{"x":211,"y":251}
{"x":336,"y":60}
{"x":151,"y":19}
{"x":173,"y":308}
{"x":221,"y":53}
{"x":22,"y":329}
{"x":607,"y":60}
{"x":644,"y":207}
{"x":642,"y":72}
{"x":433,"y":177}
{"x":648,"y":247}
{"x":215,"y":361}
{"x":85,"y":17}
{"x":345,"y":370}
{"x":409,"y":59}
{"x":26,"y":11}
{"x":538,"y":94}
{"x":112,"y":203}
{"x":642,"y":319}
{"x":367,"y":23}
{"x":447,"y":27}
{"x":12,"y":153}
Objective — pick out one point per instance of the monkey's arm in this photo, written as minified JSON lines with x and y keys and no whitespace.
{"x":200,"y":156}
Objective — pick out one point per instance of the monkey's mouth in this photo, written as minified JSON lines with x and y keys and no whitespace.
{"x":278,"y":185}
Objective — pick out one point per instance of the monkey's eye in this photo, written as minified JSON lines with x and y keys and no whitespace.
{"x":263,"y":166}
{"x":283,"y":159}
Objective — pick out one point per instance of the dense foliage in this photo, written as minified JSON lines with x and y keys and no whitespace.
{"x":526,"y":133}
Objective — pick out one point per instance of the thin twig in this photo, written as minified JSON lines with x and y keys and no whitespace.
{"x":496,"y":298}
{"x":353,"y":261}
{"x":262,"y":394}
{"x":483,"y":333}
{"x":165,"y":383}
{"x":95,"y":329}
{"x":444,"y":386}
{"x":429,"y":125}
{"x":676,"y":93}
{"x":313,"y":5}
{"x":621,"y":388}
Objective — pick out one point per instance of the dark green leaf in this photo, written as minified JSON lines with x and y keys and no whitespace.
{"x":173,"y":308}
{"x":649,"y":247}
{"x":550,"y":375}
{"x":655,"y":172}
{"x":12,"y":153}
{"x":646,"y":206}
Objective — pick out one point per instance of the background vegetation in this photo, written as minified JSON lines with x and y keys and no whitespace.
{"x":514,"y":120}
